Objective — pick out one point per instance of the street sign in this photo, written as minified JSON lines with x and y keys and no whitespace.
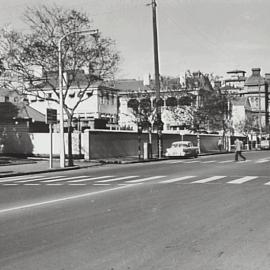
{"x":51,"y":116}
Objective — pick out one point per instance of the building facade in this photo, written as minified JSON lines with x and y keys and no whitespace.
{"x":97,"y":108}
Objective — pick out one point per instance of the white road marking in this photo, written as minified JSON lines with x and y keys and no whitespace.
{"x":63,"y":199}
{"x":63,"y":178}
{"x":54,"y":184}
{"x":118,"y":178}
{"x":15,"y":178}
{"x":121,"y":184}
{"x":90,"y":179}
{"x":209,"y":161}
{"x":76,"y":184}
{"x":267,"y":183}
{"x":175,"y":161}
{"x":193,"y":161}
{"x":242,"y":180}
{"x":244,"y":161}
{"x":145,"y":179}
{"x":101,"y":184}
{"x":11,"y":184}
{"x":262,"y":161}
{"x":31,"y":184}
{"x":37,"y":179}
{"x":209,"y":179}
{"x":176,"y":179}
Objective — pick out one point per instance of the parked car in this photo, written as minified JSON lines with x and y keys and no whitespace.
{"x":182,"y":149}
{"x":265,"y":144}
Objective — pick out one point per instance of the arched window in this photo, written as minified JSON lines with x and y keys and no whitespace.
{"x":185,"y":101}
{"x":145,"y":104}
{"x":133,"y":103}
{"x":171,"y":101}
{"x":160,"y":102}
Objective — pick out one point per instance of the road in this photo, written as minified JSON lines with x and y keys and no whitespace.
{"x":205,"y":213}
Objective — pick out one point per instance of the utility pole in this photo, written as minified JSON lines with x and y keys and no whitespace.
{"x":267,"y":83}
{"x":260,"y":112}
{"x":157,"y":81}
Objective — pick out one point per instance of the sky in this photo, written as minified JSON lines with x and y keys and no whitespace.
{"x":213,"y":36}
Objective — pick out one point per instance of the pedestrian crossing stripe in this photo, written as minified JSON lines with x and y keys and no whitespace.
{"x":177,"y":179}
{"x":262,"y":161}
{"x":107,"y":180}
{"x":146,"y":179}
{"x":267,"y":184}
{"x":117,"y":179}
{"x":176,"y":161}
{"x":39,"y":179}
{"x":14,"y":178}
{"x":242,"y":180}
{"x":209,"y":179}
{"x":215,"y":161}
{"x":90,"y":179}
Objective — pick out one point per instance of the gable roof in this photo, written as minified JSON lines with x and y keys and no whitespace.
{"x":9,"y":111}
{"x":27,"y":112}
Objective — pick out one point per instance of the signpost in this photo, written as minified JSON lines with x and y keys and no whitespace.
{"x":51,"y":118}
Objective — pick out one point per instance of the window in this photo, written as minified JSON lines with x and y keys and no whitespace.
{"x":6,"y":99}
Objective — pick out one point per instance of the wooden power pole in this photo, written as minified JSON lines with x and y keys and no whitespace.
{"x":159,"y":123}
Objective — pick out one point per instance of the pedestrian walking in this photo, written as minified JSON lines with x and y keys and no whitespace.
{"x":238,"y":149}
{"x":219,"y":144}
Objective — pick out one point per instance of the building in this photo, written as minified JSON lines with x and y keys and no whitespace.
{"x":96,"y":104}
{"x":235,"y":83}
{"x":17,"y":122}
{"x":176,"y":100}
{"x":255,"y":89}
{"x":242,"y":119}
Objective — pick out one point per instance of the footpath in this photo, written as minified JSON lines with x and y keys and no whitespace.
{"x":14,"y":166}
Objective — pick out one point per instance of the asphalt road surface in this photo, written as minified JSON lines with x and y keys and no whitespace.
{"x":209,"y":213}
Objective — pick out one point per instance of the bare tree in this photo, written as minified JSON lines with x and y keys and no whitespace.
{"x":23,"y":53}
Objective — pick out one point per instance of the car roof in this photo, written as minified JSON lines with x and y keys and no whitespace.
{"x":182,"y":142}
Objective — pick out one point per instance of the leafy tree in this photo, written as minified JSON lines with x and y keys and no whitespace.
{"x":213,"y":112}
{"x":22,"y":54}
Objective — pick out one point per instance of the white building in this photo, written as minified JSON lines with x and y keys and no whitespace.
{"x":98,"y":103}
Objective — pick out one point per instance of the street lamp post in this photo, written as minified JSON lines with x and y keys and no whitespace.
{"x":61,"y":96}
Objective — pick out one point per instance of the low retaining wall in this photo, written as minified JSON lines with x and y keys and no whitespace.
{"x":100,"y":144}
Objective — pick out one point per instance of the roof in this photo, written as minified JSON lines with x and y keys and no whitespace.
{"x":81,"y":80}
{"x":236,"y":71}
{"x":10,"y":111}
{"x":27,"y":112}
{"x":129,"y":85}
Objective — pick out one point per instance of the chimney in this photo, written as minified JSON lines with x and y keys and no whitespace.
{"x":256,"y":71}
{"x":267,"y":77}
